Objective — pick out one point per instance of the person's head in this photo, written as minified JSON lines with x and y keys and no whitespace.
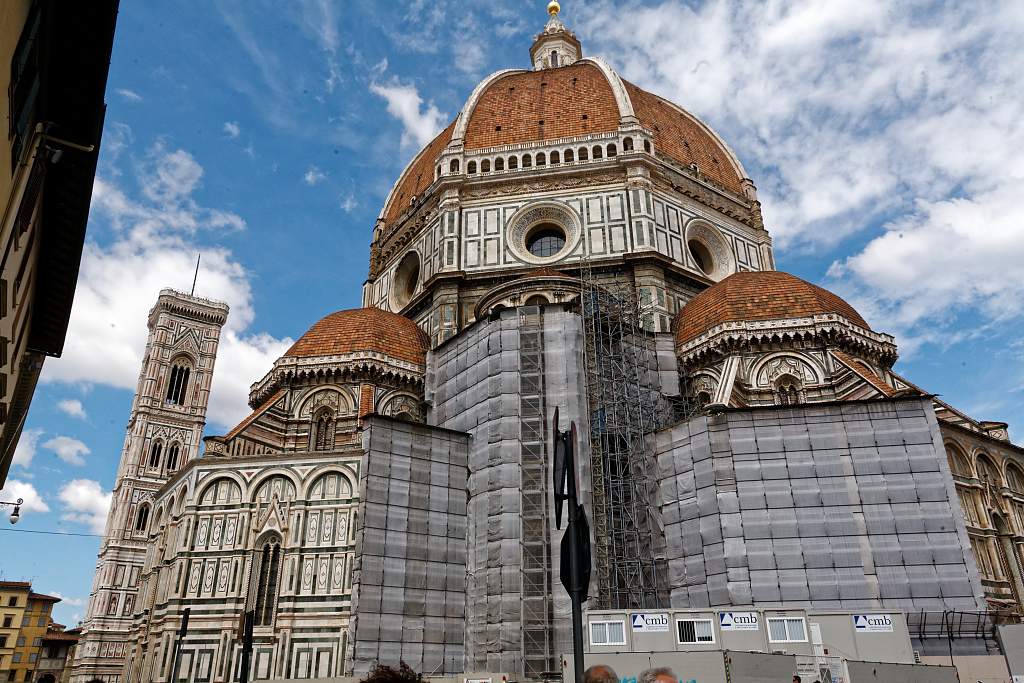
{"x":661,"y":674}
{"x":387,"y":674}
{"x":796,"y":679}
{"x":600,"y":673}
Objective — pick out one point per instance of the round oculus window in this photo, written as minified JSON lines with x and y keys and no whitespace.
{"x":406,"y":279}
{"x":702,"y":256}
{"x":545,"y":240}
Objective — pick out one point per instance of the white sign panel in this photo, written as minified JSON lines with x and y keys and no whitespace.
{"x":872,"y":623}
{"x":649,"y":623}
{"x":739,"y":621}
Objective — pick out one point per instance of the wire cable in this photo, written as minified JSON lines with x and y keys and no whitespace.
{"x":54,"y":533}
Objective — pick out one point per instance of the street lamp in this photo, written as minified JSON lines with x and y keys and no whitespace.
{"x":16,"y":514}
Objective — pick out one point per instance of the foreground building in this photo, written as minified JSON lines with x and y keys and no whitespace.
{"x":25,"y":622}
{"x":570,"y":241}
{"x":59,"y":54}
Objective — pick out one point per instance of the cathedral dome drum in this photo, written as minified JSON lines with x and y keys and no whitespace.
{"x":563,"y":164}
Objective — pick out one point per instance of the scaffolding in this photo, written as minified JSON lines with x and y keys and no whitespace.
{"x":624,"y":407}
{"x":537,"y":608}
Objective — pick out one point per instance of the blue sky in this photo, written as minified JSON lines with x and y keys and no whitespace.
{"x":885,"y":139}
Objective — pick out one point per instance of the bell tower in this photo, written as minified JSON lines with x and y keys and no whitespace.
{"x":164,"y":431}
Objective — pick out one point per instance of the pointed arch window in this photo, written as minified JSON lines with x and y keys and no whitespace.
{"x":172,"y":457}
{"x":142,"y":518}
{"x":154,"y":454}
{"x":266,"y":588}
{"x":177,"y":386}
{"x":787,"y":391}
{"x":323,"y":430}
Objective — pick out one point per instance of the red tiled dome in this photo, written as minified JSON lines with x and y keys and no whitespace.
{"x":759,"y":295}
{"x":363,"y":329}
{"x":572,"y":100}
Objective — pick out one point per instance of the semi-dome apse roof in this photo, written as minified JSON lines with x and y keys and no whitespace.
{"x":759,"y":295}
{"x":361,"y":330}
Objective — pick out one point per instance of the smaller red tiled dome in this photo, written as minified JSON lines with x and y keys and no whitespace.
{"x":759,"y":295}
{"x":363,"y":329}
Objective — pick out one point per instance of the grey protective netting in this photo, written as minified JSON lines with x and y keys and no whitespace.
{"x":832,"y":506}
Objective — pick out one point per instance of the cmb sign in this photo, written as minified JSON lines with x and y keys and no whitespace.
{"x":649,"y":623}
{"x":738,"y":621}
{"x":872,"y":623}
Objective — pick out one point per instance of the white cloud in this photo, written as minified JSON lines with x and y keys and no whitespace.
{"x":897,"y":127}
{"x":26,"y":449}
{"x":419,"y":124}
{"x":845,"y":111}
{"x":73,"y":602}
{"x":954,"y":256}
{"x":129,"y":95}
{"x":155,"y":247}
{"x":72,"y":407}
{"x":348,"y":203}
{"x":15,"y":489}
{"x":71,"y":451}
{"x":314,"y":176}
{"x":85,"y":502}
{"x":232,"y":129}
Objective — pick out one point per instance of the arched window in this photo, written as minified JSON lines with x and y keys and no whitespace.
{"x":485,"y":166}
{"x":568,"y":156}
{"x":647,"y":146}
{"x":958,"y":462}
{"x":703,"y":399}
{"x":513,"y":162}
{"x":612,"y":151}
{"x":597,"y":152}
{"x":454,"y":166}
{"x":627,"y":145}
{"x":787,"y":390}
{"x":1015,"y":479}
{"x":988,"y":472}
{"x":542,"y":159}
{"x":555,"y":159}
{"x":527,"y":161}
{"x":554,"y":58}
{"x":177,"y":386}
{"x":172,"y":457}
{"x":536,"y":300}
{"x":142,"y":518}
{"x":471,"y":167}
{"x":154,"y":454}
{"x":499,"y":164}
{"x":583,"y":154}
{"x":323,"y":430}
{"x":269,"y":559}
